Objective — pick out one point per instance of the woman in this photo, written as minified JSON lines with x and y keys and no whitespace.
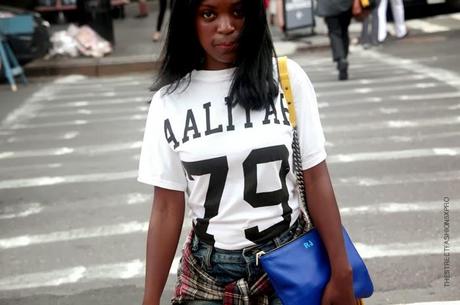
{"x":218,"y":132}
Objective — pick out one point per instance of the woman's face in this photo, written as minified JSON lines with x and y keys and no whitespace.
{"x":218,"y":25}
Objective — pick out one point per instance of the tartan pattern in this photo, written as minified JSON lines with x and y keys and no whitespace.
{"x":195,"y":284}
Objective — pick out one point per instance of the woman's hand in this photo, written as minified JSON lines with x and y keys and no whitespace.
{"x":339,"y":289}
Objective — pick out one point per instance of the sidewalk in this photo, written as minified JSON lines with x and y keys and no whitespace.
{"x":135,"y":52}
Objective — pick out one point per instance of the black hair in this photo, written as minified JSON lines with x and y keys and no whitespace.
{"x":253,"y":84}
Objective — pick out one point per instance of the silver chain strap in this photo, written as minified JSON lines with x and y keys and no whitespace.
{"x":299,"y":177}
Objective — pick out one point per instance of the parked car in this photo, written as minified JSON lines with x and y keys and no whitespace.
{"x":28,"y":47}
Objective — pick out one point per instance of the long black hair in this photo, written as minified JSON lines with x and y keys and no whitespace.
{"x":253,"y":86}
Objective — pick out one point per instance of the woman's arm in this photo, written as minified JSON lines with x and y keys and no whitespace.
{"x":326,"y":218}
{"x":162,"y":238}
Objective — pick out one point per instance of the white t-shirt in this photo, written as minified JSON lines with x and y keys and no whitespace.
{"x":235,"y":166}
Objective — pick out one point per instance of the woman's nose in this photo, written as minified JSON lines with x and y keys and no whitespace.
{"x":225,"y":25}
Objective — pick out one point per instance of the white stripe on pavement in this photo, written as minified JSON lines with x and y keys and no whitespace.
{"x":56,"y":180}
{"x":395,"y":155}
{"x":27,"y":210}
{"x":396,"y":207}
{"x":426,"y":247}
{"x":83,"y":150}
{"x":135,"y":117}
{"x":442,"y":75}
{"x":85,"y":112}
{"x":426,"y":26}
{"x":453,"y":120}
{"x":402,"y":179}
{"x":365,"y":90}
{"x":17,"y":210}
{"x":396,"y":139}
{"x":75,"y":234}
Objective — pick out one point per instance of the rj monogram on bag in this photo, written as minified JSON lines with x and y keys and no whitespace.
{"x":299,"y":270}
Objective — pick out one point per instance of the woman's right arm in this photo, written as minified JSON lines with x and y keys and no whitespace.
{"x":162,"y":238}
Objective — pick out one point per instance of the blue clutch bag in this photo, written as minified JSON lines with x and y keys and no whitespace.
{"x":299,"y":270}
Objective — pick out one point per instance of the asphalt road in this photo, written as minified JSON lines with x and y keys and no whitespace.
{"x":73,"y":219}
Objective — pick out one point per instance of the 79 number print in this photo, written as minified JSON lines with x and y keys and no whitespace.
{"x":217,"y":168}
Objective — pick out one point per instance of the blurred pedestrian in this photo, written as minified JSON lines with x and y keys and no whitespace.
{"x":142,"y":8}
{"x":337,"y":15}
{"x":161,"y":14}
{"x":217,"y":98}
{"x":370,"y":28}
{"x":397,"y":9}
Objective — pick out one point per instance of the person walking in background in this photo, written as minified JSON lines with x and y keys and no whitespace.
{"x":397,"y":8}
{"x":371,"y":37}
{"x":337,"y":15}
{"x":143,"y":9}
{"x":161,"y":14}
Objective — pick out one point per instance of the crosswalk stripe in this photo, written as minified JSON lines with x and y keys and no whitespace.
{"x":135,"y":117}
{"x":82,"y":150}
{"x":29,"y":209}
{"x":88,"y":112}
{"x":406,"y":249}
{"x":365,"y":90}
{"x":378,"y":111}
{"x":75,"y":234}
{"x":442,"y":75}
{"x":57,"y":180}
{"x":395,"y":207}
{"x":396,"y":124}
{"x":401,"y":179}
{"x":425,"y":26}
{"x":394,"y":155}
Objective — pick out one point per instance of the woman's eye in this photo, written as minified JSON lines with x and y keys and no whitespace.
{"x":207,"y":14}
{"x":238,"y":13}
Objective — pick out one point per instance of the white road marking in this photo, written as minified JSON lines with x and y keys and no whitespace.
{"x":429,"y":96}
{"x":124,"y":270}
{"x":135,"y":117}
{"x":396,"y":139}
{"x":401,"y":179}
{"x":63,"y":136}
{"x":378,"y":111}
{"x":393,"y":124}
{"x":442,"y":75}
{"x":426,"y":26}
{"x":98,"y":102}
{"x":75,"y":234}
{"x":427,"y":247}
{"x":83,"y":150}
{"x":395,"y":207}
{"x":28,"y":209}
{"x":141,"y":109}
{"x":365,"y":90}
{"x":13,"y":168}
{"x":355,"y":82}
{"x":394,"y":155}
{"x":455,"y":16}
{"x":57,"y":180}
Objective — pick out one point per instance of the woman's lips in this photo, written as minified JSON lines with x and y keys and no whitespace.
{"x":226,"y":45}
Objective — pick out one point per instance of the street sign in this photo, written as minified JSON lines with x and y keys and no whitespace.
{"x":298,"y":14}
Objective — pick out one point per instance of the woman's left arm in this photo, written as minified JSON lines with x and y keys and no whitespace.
{"x":325,"y":215}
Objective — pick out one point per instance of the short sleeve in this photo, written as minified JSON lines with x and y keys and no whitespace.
{"x":310,"y":131}
{"x":159,"y":164}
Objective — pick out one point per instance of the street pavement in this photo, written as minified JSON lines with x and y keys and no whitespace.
{"x":73,"y":220}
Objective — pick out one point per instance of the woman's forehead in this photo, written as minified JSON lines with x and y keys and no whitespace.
{"x":220,"y":2}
